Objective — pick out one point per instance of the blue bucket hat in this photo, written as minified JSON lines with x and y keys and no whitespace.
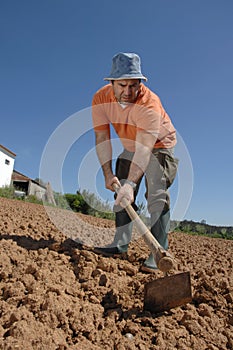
{"x":126,"y":66}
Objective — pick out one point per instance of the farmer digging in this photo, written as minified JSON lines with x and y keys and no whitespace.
{"x":148,"y":138}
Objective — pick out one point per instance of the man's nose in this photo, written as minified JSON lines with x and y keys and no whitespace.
{"x":127,"y":90}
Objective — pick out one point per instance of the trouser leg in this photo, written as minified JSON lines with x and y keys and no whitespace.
{"x":159,"y":229}
{"x":159,"y":176}
{"x":123,"y":232}
{"x":123,"y":222}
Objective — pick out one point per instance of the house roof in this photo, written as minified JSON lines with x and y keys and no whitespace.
{"x":6,"y":150}
{"x":17,"y":176}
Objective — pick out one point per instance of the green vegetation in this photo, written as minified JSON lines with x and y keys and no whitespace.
{"x":7,"y":191}
{"x":203,"y":229}
{"x":87,"y":203}
{"x":82,"y":202}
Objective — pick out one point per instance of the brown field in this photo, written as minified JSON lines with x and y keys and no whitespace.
{"x":57,"y":294}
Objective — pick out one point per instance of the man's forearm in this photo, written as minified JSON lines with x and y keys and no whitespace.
{"x":138,"y":165}
{"x":104,"y":153}
{"x":144,"y":145}
{"x":107,"y":169}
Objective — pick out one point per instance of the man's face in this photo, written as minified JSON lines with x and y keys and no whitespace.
{"x":126,"y":90}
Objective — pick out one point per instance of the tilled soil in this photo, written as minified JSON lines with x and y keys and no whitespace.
{"x":57,"y":294}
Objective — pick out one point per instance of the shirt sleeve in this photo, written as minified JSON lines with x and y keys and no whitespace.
{"x":99,"y":116}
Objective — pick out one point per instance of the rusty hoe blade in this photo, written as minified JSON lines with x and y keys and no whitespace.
{"x":168,"y":292}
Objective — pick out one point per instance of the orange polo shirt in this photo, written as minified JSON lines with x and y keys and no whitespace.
{"x":146,"y":114}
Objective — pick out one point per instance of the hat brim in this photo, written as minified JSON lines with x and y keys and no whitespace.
{"x":127,"y":77}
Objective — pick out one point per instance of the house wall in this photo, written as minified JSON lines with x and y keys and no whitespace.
{"x":6,"y":167}
{"x":36,"y":190}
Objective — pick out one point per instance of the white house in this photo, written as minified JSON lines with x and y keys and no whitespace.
{"x":22,"y":184}
{"x":7,"y":160}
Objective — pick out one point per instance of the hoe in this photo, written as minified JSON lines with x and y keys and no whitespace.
{"x":170,"y":291}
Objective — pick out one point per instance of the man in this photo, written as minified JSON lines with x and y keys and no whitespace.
{"x":148,"y":138}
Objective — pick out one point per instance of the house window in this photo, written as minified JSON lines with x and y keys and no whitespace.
{"x":7,"y":162}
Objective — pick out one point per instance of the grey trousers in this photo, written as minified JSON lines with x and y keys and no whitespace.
{"x":159,"y":176}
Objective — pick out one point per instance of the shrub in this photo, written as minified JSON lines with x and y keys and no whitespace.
{"x":7,"y":191}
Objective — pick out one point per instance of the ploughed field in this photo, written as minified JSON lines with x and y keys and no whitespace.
{"x":56,"y":293}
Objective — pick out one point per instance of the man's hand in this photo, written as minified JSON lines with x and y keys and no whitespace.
{"x":125,"y":195}
{"x":110,"y":180}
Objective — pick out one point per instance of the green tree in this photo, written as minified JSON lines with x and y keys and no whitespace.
{"x":77,"y":203}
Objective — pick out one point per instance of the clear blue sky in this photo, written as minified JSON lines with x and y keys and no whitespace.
{"x":55,"y":54}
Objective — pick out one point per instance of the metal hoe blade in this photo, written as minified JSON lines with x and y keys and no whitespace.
{"x":168,"y":292}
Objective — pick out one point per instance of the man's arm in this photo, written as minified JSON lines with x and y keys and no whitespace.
{"x":104,"y":153}
{"x":144,"y":145}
